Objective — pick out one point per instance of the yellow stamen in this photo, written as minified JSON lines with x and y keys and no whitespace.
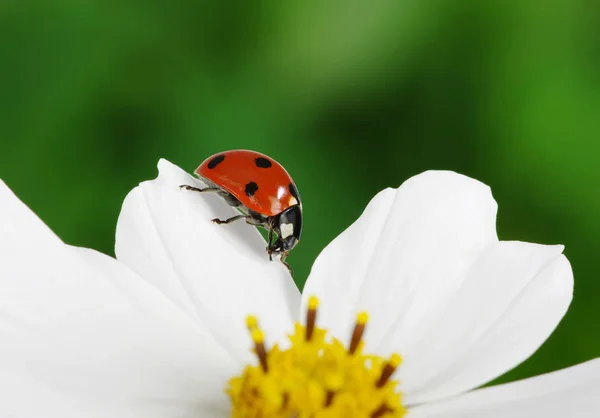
{"x":259,"y":346}
{"x":333,"y":383}
{"x":389,"y":368}
{"x":313,"y":303}
{"x":311,"y":317}
{"x":359,"y":329}
{"x":251,"y":322}
{"x":379,"y":412}
{"x":316,"y":377}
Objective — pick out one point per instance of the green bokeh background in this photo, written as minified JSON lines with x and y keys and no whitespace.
{"x":351,"y":97}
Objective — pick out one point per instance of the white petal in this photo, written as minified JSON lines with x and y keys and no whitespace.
{"x":425,"y":262}
{"x":83,"y":336}
{"x":217,"y":274}
{"x":405,"y":256}
{"x":572,"y":393}
{"x":19,"y":227}
{"x":512,"y":299}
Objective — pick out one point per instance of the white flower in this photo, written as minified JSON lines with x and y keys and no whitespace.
{"x":159,"y":332}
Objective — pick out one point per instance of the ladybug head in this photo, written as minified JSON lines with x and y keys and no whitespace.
{"x":288,"y":227}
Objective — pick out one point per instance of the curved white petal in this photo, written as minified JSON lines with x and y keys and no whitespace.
{"x":425,"y":262}
{"x":217,"y":274}
{"x":405,"y":256}
{"x":83,"y":336}
{"x":19,"y":227}
{"x":511,"y":300}
{"x":573,"y":392}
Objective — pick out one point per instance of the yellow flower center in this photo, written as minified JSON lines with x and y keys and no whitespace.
{"x":315,"y":377}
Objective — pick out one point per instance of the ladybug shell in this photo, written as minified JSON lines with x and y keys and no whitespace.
{"x":259,"y":182}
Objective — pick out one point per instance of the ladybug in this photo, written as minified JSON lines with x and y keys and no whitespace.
{"x":262,"y":190}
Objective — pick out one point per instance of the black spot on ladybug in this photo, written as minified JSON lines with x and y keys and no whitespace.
{"x":263,"y":162}
{"x":216,"y":161}
{"x":294,"y":191}
{"x":251,"y":188}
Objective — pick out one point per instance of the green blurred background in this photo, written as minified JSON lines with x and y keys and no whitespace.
{"x":350,"y":97}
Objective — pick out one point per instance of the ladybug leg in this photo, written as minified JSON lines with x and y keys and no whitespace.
{"x":285,"y":263}
{"x":228,"y":220}
{"x":270,"y":246}
{"x":197,"y":189}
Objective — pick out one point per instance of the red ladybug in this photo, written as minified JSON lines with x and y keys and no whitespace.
{"x":263,"y":191}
